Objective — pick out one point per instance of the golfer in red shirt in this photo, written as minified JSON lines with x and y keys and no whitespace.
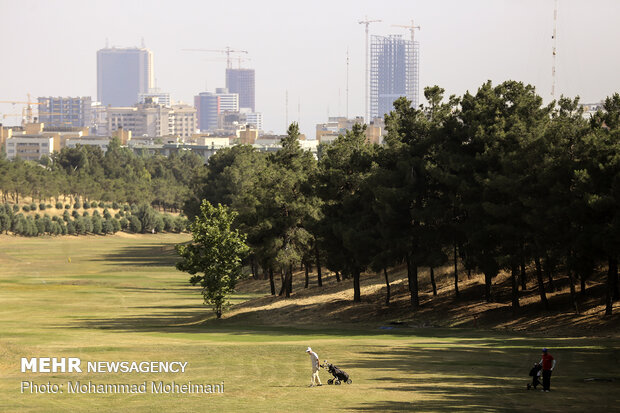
{"x":548,"y":363}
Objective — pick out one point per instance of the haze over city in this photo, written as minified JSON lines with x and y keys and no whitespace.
{"x":49,"y":48}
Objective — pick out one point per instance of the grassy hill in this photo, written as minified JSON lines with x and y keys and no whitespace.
{"x":334,"y":302}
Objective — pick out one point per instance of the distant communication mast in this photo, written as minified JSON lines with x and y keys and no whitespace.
{"x":554,"y":50}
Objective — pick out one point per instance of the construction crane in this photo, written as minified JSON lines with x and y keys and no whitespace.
{"x":28,"y":117}
{"x":367,"y":23}
{"x":414,"y":66}
{"x":411,"y":28}
{"x":227,"y":51}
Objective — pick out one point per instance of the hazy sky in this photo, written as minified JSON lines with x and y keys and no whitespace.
{"x":48,"y":47}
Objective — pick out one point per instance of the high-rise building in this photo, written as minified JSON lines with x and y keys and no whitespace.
{"x":209,"y":105}
{"x":122,"y":74}
{"x":394,"y":72}
{"x":65,"y":111}
{"x":241,"y":81}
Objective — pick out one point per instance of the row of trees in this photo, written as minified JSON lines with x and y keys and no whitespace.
{"x":85,"y":172}
{"x":494,"y":179}
{"x":141,"y":219}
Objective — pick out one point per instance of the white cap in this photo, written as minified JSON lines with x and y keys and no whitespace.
{"x":308,"y":350}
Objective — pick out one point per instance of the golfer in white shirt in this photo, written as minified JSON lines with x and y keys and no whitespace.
{"x":314,"y":360}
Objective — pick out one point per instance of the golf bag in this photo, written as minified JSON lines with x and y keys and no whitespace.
{"x":339,"y":375}
{"x":535,"y":373}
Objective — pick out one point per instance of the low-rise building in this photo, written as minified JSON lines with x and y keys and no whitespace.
{"x":152,"y":119}
{"x":29,"y":147}
{"x":100,"y":142}
{"x":336,"y":126}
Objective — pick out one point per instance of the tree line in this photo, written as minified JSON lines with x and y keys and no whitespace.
{"x":494,"y":179}
{"x":86,"y":173}
{"x":136,"y":219}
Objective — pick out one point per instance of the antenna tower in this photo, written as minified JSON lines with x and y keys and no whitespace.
{"x":554,"y":50}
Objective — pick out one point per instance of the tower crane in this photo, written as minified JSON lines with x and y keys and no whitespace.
{"x":227,"y":51}
{"x":411,"y":28}
{"x":28,"y":116}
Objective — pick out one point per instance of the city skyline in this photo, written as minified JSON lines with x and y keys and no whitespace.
{"x":302,"y":49}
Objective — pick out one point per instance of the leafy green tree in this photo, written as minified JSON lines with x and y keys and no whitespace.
{"x":214,"y":257}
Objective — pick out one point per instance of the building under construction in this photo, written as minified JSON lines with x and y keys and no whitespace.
{"x":394,"y":72}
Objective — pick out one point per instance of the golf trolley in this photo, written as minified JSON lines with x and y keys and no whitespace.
{"x":340,"y":376}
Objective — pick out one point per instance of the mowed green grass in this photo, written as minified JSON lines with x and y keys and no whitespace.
{"x":119,"y":298}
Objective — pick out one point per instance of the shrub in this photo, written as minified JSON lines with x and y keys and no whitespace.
{"x":168,"y":222}
{"x":117,"y":216}
{"x":5,"y":222}
{"x":147,"y":216}
{"x":26,"y":208}
{"x":124,"y":223}
{"x":106,"y":226}
{"x":67,"y":206}
{"x":106,"y":214}
{"x":126,"y":207}
{"x":88,"y":224}
{"x":115,"y":205}
{"x":70,"y":228}
{"x":33,"y":207}
{"x":159,"y":224}
{"x":96,"y":213}
{"x":41,"y":227}
{"x":66,"y":216}
{"x":85,"y":214}
{"x":80,"y":227}
{"x":15,"y":208}
{"x":58,"y":205}
{"x":47,"y":225}
{"x":42,"y":207}
{"x":17,"y":225}
{"x":181,"y":223}
{"x":75,"y":214}
{"x":37,"y":216}
{"x":134,"y":224}
{"x":77,"y":205}
{"x":97,"y":225}
{"x":86,"y":205}
{"x":102,"y":205}
{"x":48,"y":206}
{"x":116,"y":225}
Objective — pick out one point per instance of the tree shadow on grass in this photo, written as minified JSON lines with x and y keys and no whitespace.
{"x":160,"y":255}
{"x":489,"y":375}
